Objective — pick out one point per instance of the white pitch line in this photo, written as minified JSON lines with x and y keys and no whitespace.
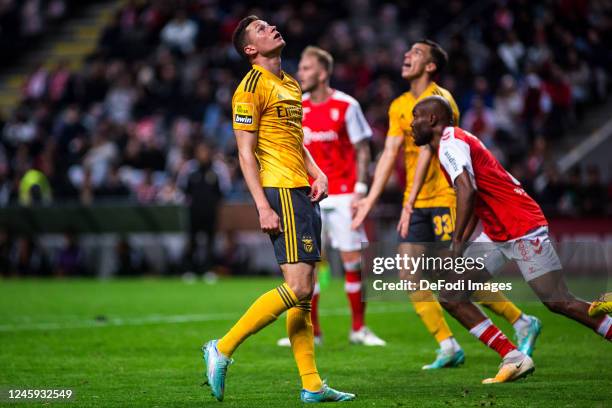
{"x":173,"y":319}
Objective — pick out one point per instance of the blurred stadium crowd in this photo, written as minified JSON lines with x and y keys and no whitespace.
{"x":25,"y":22}
{"x":163,"y":75}
{"x":126,"y":125}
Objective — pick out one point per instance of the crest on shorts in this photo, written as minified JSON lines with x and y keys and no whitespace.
{"x":308,"y":245}
{"x":537,"y":246}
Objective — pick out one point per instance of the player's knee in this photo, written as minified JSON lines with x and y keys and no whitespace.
{"x":302,"y":290}
{"x":447,"y":303}
{"x":453,"y":296}
{"x":452,"y":301}
{"x":405,"y":274}
{"x":557,"y":306}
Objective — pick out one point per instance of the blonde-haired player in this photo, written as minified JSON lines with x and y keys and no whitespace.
{"x":337,"y":135}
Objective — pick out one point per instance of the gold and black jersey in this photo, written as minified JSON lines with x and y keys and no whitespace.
{"x":272,"y":107}
{"x":436,"y":192}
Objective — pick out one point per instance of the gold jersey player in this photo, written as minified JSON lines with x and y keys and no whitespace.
{"x":429,"y":204}
{"x":267,"y":121}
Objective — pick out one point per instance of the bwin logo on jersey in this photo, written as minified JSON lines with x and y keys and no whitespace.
{"x":308,"y":245}
{"x":243,"y":119}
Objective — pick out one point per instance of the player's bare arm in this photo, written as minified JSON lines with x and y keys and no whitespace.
{"x":318,"y":190}
{"x":384,"y":166}
{"x":471,"y":226}
{"x":466,"y":195}
{"x":362,"y":149}
{"x":363,"y":154}
{"x":246,"y":141}
{"x":425,"y":155}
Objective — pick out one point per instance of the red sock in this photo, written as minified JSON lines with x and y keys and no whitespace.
{"x":490,"y":335}
{"x":314,"y":311}
{"x":605,"y":327}
{"x":352,"y":286}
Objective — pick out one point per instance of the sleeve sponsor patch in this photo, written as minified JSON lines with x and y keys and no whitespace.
{"x":451,"y":161}
{"x":243,"y":113}
{"x":455,"y":159}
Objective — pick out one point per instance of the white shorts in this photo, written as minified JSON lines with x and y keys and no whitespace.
{"x":534,"y":253}
{"x":336,"y":217}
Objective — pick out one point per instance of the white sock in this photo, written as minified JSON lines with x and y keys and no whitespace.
{"x":521,"y":323}
{"x":456,"y":344}
{"x":447,"y":345}
{"x":513,"y":354}
{"x":604,"y":326}
{"x":480,"y":328}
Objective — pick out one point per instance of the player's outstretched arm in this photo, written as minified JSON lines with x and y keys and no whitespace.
{"x":471,"y":226}
{"x":318,"y":190}
{"x":381,"y":175}
{"x":425,"y":155}
{"x":246,"y":141}
{"x":466,"y":195}
{"x":362,"y":149}
{"x":364,"y":156}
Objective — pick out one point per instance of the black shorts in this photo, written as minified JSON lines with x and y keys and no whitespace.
{"x":300,"y":218}
{"x":435,"y":224}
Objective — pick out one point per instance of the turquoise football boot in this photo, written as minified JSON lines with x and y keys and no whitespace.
{"x":326,"y":394}
{"x":216,"y":368}
{"x":527,"y":337}
{"x":446,"y":360}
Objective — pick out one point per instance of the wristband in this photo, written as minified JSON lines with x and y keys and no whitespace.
{"x":361,"y":188}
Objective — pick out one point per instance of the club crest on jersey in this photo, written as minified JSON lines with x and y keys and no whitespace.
{"x":446,"y":134}
{"x":243,"y":113}
{"x":334,"y":114}
{"x":308,"y":245}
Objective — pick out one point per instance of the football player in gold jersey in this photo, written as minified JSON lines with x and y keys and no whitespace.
{"x":429,"y":203}
{"x":267,"y":121}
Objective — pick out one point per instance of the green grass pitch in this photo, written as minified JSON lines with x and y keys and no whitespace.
{"x":137,"y":343}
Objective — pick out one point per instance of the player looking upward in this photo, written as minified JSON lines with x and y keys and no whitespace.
{"x":337,"y":135}
{"x":513,"y":228}
{"x":267,"y":121}
{"x":428,"y":213}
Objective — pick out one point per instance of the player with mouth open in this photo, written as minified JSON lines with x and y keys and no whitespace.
{"x":429,"y":206}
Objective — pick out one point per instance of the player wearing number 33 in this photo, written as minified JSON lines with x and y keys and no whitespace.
{"x":428,"y":213}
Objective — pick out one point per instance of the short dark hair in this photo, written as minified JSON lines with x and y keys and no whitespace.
{"x":438,"y":55}
{"x":239,"y":35}
{"x":440,"y":106}
{"x":446,"y":111}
